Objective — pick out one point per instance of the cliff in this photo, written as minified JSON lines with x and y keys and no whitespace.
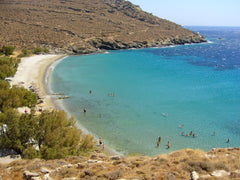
{"x":80,"y":26}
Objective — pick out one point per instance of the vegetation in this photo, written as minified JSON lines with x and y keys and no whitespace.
{"x":7,"y":50}
{"x":39,"y":50}
{"x":8,"y":66}
{"x":50,"y":135}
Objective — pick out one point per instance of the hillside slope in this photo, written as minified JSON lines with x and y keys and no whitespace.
{"x":82,"y":26}
{"x":183,"y":164}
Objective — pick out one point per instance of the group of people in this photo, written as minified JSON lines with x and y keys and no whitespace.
{"x":159,"y":141}
{"x":190,"y":134}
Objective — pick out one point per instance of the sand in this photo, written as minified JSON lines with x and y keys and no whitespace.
{"x":31,"y":72}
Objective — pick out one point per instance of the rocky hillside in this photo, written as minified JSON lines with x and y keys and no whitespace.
{"x":80,"y":26}
{"x":185,"y":164}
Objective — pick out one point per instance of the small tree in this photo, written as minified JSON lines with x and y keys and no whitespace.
{"x":7,"y":50}
{"x":38,"y":50}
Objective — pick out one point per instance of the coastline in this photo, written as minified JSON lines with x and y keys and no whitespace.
{"x":35,"y":71}
{"x":32,"y":71}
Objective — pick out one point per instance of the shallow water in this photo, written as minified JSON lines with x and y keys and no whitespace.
{"x":138,"y":95}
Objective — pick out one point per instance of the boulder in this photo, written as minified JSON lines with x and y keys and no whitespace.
{"x":220,"y":173}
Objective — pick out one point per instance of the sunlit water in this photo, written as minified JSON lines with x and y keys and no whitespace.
{"x":139,"y":95}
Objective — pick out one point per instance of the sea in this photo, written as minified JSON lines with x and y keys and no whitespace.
{"x":189,"y":95}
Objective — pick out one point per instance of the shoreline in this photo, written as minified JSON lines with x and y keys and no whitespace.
{"x":35,"y":71}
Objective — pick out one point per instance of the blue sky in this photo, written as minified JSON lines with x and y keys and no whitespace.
{"x":194,"y":12}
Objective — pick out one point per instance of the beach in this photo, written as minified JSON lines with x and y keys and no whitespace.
{"x":32,"y":72}
{"x":35,"y":71}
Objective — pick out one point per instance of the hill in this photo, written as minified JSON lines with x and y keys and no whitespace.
{"x":80,"y":26}
{"x":183,"y":164}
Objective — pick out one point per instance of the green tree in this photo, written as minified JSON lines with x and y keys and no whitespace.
{"x":7,"y":50}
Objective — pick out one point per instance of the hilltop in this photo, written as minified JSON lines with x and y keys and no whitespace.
{"x":80,"y":26}
{"x":182,"y":164}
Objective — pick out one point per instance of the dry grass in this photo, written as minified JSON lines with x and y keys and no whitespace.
{"x":177,"y":165}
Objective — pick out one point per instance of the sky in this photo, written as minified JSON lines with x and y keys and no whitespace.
{"x":194,"y":12}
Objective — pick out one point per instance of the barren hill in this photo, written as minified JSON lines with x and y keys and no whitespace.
{"x":82,"y":26}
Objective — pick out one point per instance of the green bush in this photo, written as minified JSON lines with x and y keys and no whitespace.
{"x":38,"y":50}
{"x":7,"y":50}
{"x":25,"y":53}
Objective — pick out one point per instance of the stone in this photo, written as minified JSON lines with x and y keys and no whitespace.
{"x":47,"y":177}
{"x":45,"y":170}
{"x":115,"y":158}
{"x":220,"y":173}
{"x":30,"y":175}
{"x":194,"y":175}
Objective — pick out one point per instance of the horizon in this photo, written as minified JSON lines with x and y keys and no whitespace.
{"x":195,"y":13}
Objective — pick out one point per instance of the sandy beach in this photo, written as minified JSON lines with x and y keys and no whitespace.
{"x":31,"y":72}
{"x":34,"y":71}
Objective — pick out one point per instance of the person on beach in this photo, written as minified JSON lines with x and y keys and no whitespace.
{"x":168,"y":145}
{"x":100,"y":141}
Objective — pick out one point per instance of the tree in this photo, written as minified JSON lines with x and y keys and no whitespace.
{"x":7,"y":50}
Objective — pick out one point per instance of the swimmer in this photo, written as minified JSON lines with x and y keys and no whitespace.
{"x":181,"y":126}
{"x":190,"y":133}
{"x":168,"y":145}
{"x":182,"y":134}
{"x":214,"y":133}
{"x":228,"y":140}
{"x":158,"y":144}
{"x":159,"y":139}
{"x":84,"y":110}
{"x":90,"y":91}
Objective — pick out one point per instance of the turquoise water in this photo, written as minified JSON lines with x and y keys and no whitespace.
{"x":139,"y":95}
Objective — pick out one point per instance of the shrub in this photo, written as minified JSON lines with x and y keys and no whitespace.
{"x":7,"y":50}
{"x":30,"y":153}
{"x":38,"y":50}
{"x":46,"y":50}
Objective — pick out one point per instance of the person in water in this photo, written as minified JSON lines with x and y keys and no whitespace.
{"x":159,"y":140}
{"x":228,"y":140}
{"x":190,"y":133}
{"x":84,"y":110}
{"x":90,"y":91}
{"x":100,"y":141}
{"x":168,"y":145}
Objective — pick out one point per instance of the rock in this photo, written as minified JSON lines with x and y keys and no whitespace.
{"x":171,"y":177}
{"x":30,"y":175}
{"x":88,"y":172}
{"x":115,"y":158}
{"x":36,"y":178}
{"x":45,"y":170}
{"x":194,"y":175}
{"x":220,"y":173}
{"x":94,"y":156}
{"x":47,"y":177}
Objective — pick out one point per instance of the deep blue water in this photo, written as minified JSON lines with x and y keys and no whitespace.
{"x":138,"y":95}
